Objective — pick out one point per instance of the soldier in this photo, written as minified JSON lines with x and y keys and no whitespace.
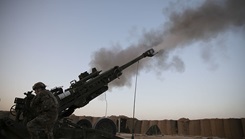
{"x":46,"y":107}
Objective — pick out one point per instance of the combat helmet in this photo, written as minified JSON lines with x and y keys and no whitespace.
{"x":39,"y":85}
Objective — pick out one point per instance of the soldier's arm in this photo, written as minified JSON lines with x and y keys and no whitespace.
{"x":35,"y":101}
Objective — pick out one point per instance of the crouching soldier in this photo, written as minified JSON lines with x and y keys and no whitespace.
{"x":46,"y":106}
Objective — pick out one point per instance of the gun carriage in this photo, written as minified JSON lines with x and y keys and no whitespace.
{"x":79,"y":94}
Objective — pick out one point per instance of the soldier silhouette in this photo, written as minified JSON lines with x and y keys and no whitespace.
{"x":46,"y":107}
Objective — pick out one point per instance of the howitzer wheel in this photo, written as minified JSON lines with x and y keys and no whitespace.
{"x":106,"y":125}
{"x":12,"y":110}
{"x":84,"y":123}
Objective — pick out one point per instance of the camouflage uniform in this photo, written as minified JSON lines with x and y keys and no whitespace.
{"x":46,"y":107}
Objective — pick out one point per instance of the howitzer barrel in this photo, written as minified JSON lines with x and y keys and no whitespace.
{"x":92,"y":85}
{"x":148,"y":53}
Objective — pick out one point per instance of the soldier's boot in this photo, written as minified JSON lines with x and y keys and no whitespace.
{"x":49,"y":132}
{"x":50,"y":135}
{"x":34,"y":135}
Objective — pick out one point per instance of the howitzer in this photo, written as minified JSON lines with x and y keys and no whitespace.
{"x":79,"y":94}
{"x":90,"y":86}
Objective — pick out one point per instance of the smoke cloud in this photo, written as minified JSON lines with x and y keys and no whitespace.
{"x":200,"y":24}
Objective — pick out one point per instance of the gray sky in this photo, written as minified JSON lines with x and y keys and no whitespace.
{"x":200,"y":75}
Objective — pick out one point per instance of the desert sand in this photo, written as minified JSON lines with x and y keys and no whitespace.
{"x":128,"y":136}
{"x":185,"y":127}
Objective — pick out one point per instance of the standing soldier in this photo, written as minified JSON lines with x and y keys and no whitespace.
{"x":46,"y":107}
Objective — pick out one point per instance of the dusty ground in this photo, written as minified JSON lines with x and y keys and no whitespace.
{"x":128,"y":136}
{"x":137,"y":136}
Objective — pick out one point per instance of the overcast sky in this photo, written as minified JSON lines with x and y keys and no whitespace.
{"x":199,"y":75}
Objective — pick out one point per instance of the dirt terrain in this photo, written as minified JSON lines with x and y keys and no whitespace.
{"x":128,"y":136}
{"x":185,"y":127}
